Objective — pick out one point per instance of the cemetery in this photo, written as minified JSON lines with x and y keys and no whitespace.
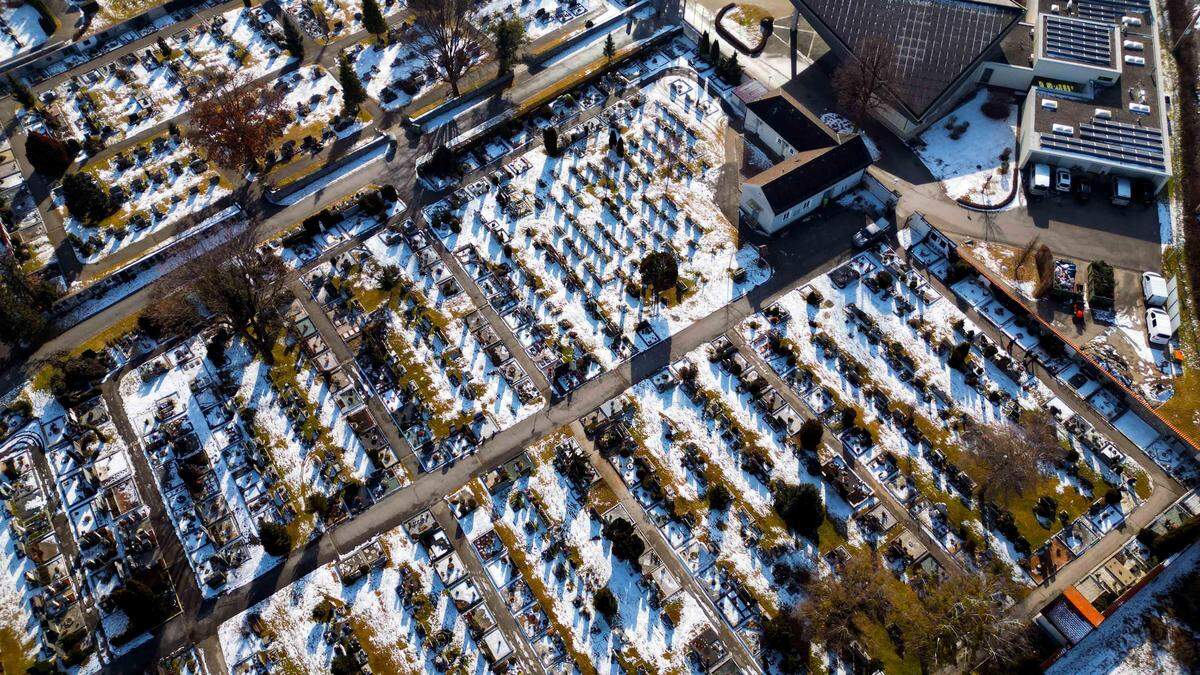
{"x":329,"y":20}
{"x":387,"y":605}
{"x":145,"y":88}
{"x":400,"y":70}
{"x":151,"y":186}
{"x":555,"y":240}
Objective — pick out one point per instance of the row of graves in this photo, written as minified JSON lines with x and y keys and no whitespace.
{"x":555,"y":243}
{"x":329,"y":20}
{"x":144,"y":88}
{"x":437,"y":364}
{"x":150,"y":186}
{"x":539,"y":16}
{"x":401,"y":602}
{"x":899,"y":375}
{"x":702,"y":445}
{"x":403,"y":67}
{"x":40,"y":582}
{"x":109,"y":521}
{"x":550,"y":542}
{"x":319,"y":117}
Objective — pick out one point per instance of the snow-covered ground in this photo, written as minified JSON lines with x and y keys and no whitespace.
{"x":18,"y":623}
{"x":328,"y":20}
{"x":146,"y":88}
{"x":539,"y":16}
{"x":164,"y":180}
{"x":970,"y":166}
{"x":387,"y":611}
{"x":396,"y":73}
{"x":577,"y":226}
{"x":1123,"y":644}
{"x":20,"y":30}
{"x":316,"y":98}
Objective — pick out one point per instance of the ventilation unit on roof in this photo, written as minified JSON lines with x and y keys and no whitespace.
{"x":1133,"y":45}
{"x":1102,"y":114}
{"x":1139,"y":108}
{"x":1134,"y":60}
{"x":1049,"y":104}
{"x":1062,"y":129}
{"x":1131,"y":21}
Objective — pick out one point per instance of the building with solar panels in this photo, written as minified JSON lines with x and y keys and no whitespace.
{"x":1094,"y":103}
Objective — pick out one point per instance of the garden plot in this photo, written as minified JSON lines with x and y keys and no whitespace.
{"x":544,"y":545}
{"x":20,"y":30}
{"x":328,"y":20}
{"x":972,"y":154}
{"x":877,"y":351}
{"x":146,"y":88}
{"x":556,"y":245}
{"x":157,"y":183}
{"x":399,"y":613}
{"x":396,"y":73}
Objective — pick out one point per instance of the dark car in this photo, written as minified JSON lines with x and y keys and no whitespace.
{"x":1143,"y":192}
{"x":1083,"y":189}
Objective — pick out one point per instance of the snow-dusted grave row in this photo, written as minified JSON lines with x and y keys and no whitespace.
{"x":556,"y":244}
{"x":539,"y":16}
{"x":542,"y":541}
{"x":315,"y":96}
{"x":448,"y":365}
{"x":146,"y":88}
{"x":157,"y":183}
{"x":874,"y":337}
{"x":974,"y":155}
{"x":20,"y":30}
{"x":328,"y":20}
{"x":231,"y":450}
{"x":415,"y":610}
{"x":401,"y":70}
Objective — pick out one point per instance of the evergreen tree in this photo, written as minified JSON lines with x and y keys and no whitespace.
{"x":163,"y":47}
{"x":22,"y":93}
{"x":731,"y":70}
{"x":509,"y":36}
{"x":550,"y":140}
{"x":610,"y":49}
{"x":704,"y":45}
{"x":48,"y":155}
{"x":373,"y":18}
{"x":23,"y":302}
{"x":85,"y":199}
{"x":714,"y":54}
{"x":291,"y":37}
{"x":353,"y":93}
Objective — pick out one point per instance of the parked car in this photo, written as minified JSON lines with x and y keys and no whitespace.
{"x":871,"y":233}
{"x":1062,"y":180}
{"x":1122,"y":191}
{"x":1158,"y":326}
{"x":1039,"y":180}
{"x":1143,"y":192}
{"x":1154,"y":289}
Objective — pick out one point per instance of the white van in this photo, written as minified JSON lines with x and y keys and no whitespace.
{"x":1039,"y":179}
{"x":1154,"y":289}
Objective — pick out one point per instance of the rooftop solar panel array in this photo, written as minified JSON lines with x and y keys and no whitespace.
{"x":1116,"y":141}
{"x":1111,"y":11}
{"x":935,"y":40}
{"x":1082,"y":42}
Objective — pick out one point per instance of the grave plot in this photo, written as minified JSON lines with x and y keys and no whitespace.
{"x":539,"y":16}
{"x":152,"y":186}
{"x":901,"y":376}
{"x":701,"y":449}
{"x":235,"y":443}
{"x":398,"y":72}
{"x":148,"y":87}
{"x":443,"y":371}
{"x":354,"y":215}
{"x":20,"y":30}
{"x":385,"y":606}
{"x":556,"y":559}
{"x":315,"y":96}
{"x":329,"y":20}
{"x":555,"y":242}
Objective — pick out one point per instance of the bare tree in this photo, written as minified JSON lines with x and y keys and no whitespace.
{"x":447,"y":24}
{"x":236,"y":121}
{"x":862,"y":80}
{"x":243,"y":287}
{"x":836,"y":602}
{"x":966,"y":617}
{"x":1012,"y":454}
